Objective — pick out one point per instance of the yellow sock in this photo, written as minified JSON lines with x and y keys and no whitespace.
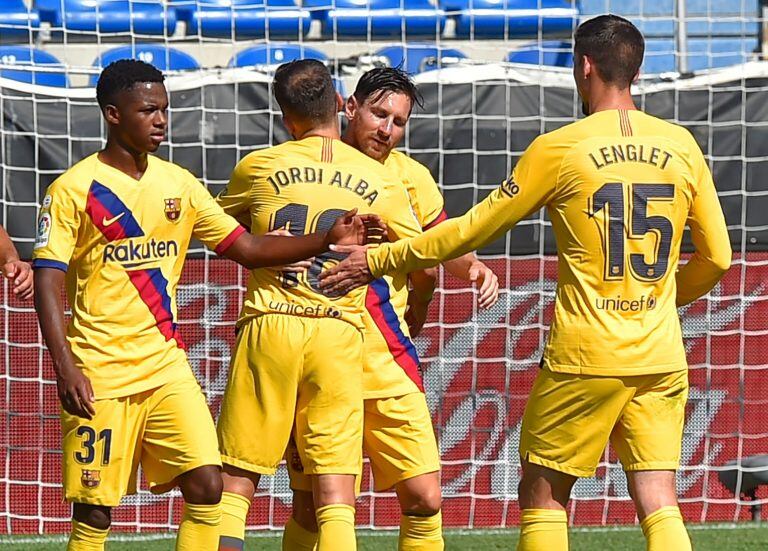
{"x":199,"y":528}
{"x":336,"y":528}
{"x":86,"y":538}
{"x":234,"y":509}
{"x":297,"y":538}
{"x":543,"y":529}
{"x":664,"y":529}
{"x":421,"y":533}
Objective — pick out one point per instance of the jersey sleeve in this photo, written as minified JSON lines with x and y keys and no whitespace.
{"x":236,"y":198}
{"x":212,"y":226}
{"x":712,"y":256}
{"x":529,"y":187}
{"x":57,"y":228}
{"x":430,"y":206}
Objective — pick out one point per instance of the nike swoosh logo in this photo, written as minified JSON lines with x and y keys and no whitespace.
{"x":109,"y":221}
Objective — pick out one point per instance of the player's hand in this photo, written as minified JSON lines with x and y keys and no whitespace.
{"x":416,"y":314}
{"x":75,"y":392}
{"x":488,"y":290}
{"x":297,"y":267}
{"x":19,"y":273}
{"x":350,"y":273}
{"x":353,"y":229}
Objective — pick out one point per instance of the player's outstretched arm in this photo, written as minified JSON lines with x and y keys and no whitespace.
{"x":262,"y":251}
{"x":712,"y":256}
{"x":15,"y":270}
{"x":74,"y":388}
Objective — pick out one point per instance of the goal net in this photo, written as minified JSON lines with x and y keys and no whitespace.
{"x":481,"y":112}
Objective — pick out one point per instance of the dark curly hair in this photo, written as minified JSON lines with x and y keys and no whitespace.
{"x":122,"y":75}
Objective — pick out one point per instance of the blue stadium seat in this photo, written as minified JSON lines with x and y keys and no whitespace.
{"x":511,"y":18}
{"x":358,"y":19}
{"x":27,"y":58}
{"x":159,"y":55}
{"x":702,"y":53}
{"x":418,"y":58}
{"x":274,"y":54}
{"x":549,"y":52}
{"x":270,"y":56}
{"x":16,"y":20}
{"x":282,"y":19}
{"x":109,"y":16}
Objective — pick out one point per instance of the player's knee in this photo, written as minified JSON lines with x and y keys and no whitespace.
{"x":96,"y":516}
{"x":304,"y":510}
{"x":426,"y":503}
{"x":202,"y":486}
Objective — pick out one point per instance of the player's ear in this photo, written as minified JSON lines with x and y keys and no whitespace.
{"x":339,"y":102}
{"x":111,"y":114}
{"x":350,"y":108}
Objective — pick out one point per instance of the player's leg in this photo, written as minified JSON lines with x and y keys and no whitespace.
{"x":329,"y":426}
{"x":180,"y":449}
{"x":257,"y":413}
{"x":300,"y":532}
{"x":100,"y":458}
{"x":647,"y":439}
{"x":399,"y":439}
{"x":566,"y":425}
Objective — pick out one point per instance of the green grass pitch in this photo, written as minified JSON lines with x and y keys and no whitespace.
{"x":705,"y":538}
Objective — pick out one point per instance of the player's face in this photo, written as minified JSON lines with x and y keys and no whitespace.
{"x":376,"y":127}
{"x":142,"y":116}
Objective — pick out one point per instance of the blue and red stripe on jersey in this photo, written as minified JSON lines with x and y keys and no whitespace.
{"x":377,"y":302}
{"x":153,"y":290}
{"x":109,"y":214}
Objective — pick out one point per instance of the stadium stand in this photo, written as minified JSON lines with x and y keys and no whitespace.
{"x":274,"y":55}
{"x":241,"y":19}
{"x":17,"y":20}
{"x":552,"y":53}
{"x":417,"y":58}
{"x":27,"y":59}
{"x":350,"y":19}
{"x":512,"y":18}
{"x":149,"y":17}
{"x":159,"y":55}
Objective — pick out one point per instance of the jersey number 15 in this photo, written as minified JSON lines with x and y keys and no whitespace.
{"x":610,"y":197}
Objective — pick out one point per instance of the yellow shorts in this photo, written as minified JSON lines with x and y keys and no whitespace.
{"x":398,"y":438}
{"x":168,"y":430}
{"x":569,"y":419}
{"x":285,"y":368}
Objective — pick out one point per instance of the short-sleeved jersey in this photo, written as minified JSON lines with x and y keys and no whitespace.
{"x":303,"y":186}
{"x":426,"y":200}
{"x":391,"y":361}
{"x":122,"y":244}
{"x":620,"y":187}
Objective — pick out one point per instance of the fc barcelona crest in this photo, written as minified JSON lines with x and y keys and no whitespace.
{"x":173,"y":209}
{"x":90,"y":478}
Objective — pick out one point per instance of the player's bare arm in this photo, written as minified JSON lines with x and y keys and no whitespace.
{"x":423,"y":285}
{"x":261,"y":251}
{"x":470,"y":268}
{"x":73,"y":387}
{"x":16,"y":271}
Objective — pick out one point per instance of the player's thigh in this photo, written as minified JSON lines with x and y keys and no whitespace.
{"x":257,"y":410}
{"x":399,"y":439}
{"x":300,"y":481}
{"x":101,"y":455}
{"x":179,"y":434}
{"x":329,"y":412}
{"x":648,"y":435}
{"x":568,"y":420}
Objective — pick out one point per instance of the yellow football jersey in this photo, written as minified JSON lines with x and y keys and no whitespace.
{"x":122,"y":244}
{"x":619,"y":187}
{"x":391,"y":361}
{"x":303,"y":186}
